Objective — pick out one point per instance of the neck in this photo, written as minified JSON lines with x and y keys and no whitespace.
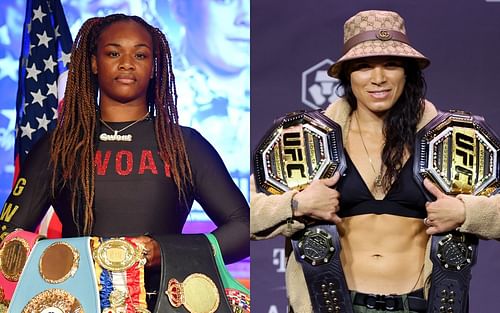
{"x":370,"y":122}
{"x":122,"y":113}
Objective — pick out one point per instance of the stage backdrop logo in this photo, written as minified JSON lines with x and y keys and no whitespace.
{"x":318,"y":89}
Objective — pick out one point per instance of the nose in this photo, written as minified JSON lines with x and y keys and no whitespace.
{"x":243,"y":13}
{"x":378,"y":75}
{"x":126,"y":62}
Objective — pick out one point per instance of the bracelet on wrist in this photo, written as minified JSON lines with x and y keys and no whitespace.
{"x":293,"y":206}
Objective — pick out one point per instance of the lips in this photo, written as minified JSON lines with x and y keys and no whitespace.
{"x":125,"y":78}
{"x":379,"y":94}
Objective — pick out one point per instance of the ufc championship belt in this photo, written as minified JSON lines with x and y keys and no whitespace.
{"x":299,"y":148}
{"x":59,"y":277}
{"x":459,"y":153}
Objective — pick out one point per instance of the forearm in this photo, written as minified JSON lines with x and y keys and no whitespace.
{"x":24,"y":207}
{"x":482,"y":216}
{"x":271,"y":215}
{"x":233,"y":240}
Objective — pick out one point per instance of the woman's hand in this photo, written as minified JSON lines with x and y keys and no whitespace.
{"x":445,"y":213}
{"x":151,"y":250}
{"x":319,"y":200}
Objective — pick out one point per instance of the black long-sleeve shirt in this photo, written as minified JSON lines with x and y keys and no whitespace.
{"x":134,"y":191}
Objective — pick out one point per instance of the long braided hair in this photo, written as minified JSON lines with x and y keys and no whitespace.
{"x":75,"y":137}
{"x":400,"y":124}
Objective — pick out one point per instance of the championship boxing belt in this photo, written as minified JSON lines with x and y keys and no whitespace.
{"x":14,"y":253}
{"x":190,"y":282}
{"x":119,"y":272}
{"x":59,"y":277}
{"x":459,"y":153}
{"x":237,"y":295}
{"x":299,"y":148}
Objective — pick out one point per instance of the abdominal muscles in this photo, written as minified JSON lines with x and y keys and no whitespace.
{"x":383,"y":254}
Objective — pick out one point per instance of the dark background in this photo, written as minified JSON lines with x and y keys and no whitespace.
{"x":462,"y":40}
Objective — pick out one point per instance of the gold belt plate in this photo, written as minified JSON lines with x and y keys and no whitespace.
{"x":117,"y":255}
{"x":58,"y":262}
{"x":54,"y":301}
{"x":13,"y":257}
{"x":459,"y":152}
{"x":299,"y":148}
{"x":197,"y":293}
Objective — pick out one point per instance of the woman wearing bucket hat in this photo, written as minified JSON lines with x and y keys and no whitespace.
{"x":377,"y":206}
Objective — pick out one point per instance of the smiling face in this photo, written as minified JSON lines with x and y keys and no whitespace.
{"x":123,"y":63}
{"x":377,"y":82}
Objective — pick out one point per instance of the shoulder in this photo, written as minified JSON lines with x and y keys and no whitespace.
{"x":194,"y":140}
{"x":190,"y":134}
{"x":430,"y":112}
{"x":338,"y":111}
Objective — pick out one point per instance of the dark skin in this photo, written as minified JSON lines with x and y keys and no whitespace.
{"x":123,"y":64}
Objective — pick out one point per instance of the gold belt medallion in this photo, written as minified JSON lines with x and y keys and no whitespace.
{"x":117,"y":255}
{"x":54,"y":301}
{"x":197,"y":293}
{"x":13,"y":257}
{"x":58,"y":262}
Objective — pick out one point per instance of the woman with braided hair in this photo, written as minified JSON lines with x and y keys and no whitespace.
{"x":118,"y":163}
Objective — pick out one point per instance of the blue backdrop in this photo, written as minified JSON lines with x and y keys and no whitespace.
{"x":294,"y":41}
{"x":213,"y":88}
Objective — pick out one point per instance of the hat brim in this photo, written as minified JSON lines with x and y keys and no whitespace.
{"x":373,"y":48}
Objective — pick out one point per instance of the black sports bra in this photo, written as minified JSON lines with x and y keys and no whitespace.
{"x":404,"y":198}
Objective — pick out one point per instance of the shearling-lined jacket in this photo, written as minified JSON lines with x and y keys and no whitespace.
{"x":269,"y":214}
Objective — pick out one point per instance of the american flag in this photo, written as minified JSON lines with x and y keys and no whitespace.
{"x":43,"y":68}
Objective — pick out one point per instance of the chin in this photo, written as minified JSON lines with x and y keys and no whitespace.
{"x":381,"y":108}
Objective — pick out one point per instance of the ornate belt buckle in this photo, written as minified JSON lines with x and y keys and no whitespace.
{"x":454,"y":251}
{"x":459,"y":152}
{"x":13,"y":256}
{"x":58,"y":262}
{"x":197,"y":293}
{"x":316,"y":246}
{"x":299,"y":148}
{"x":53,"y":301}
{"x":117,"y":255}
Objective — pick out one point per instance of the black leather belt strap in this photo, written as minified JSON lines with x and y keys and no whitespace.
{"x":416,"y":301}
{"x":317,"y":249}
{"x":453,"y":256}
{"x":181,"y":256}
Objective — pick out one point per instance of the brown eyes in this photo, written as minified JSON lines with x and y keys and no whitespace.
{"x":115,"y":54}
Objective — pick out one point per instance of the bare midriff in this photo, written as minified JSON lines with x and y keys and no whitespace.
{"x":383,"y":254}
